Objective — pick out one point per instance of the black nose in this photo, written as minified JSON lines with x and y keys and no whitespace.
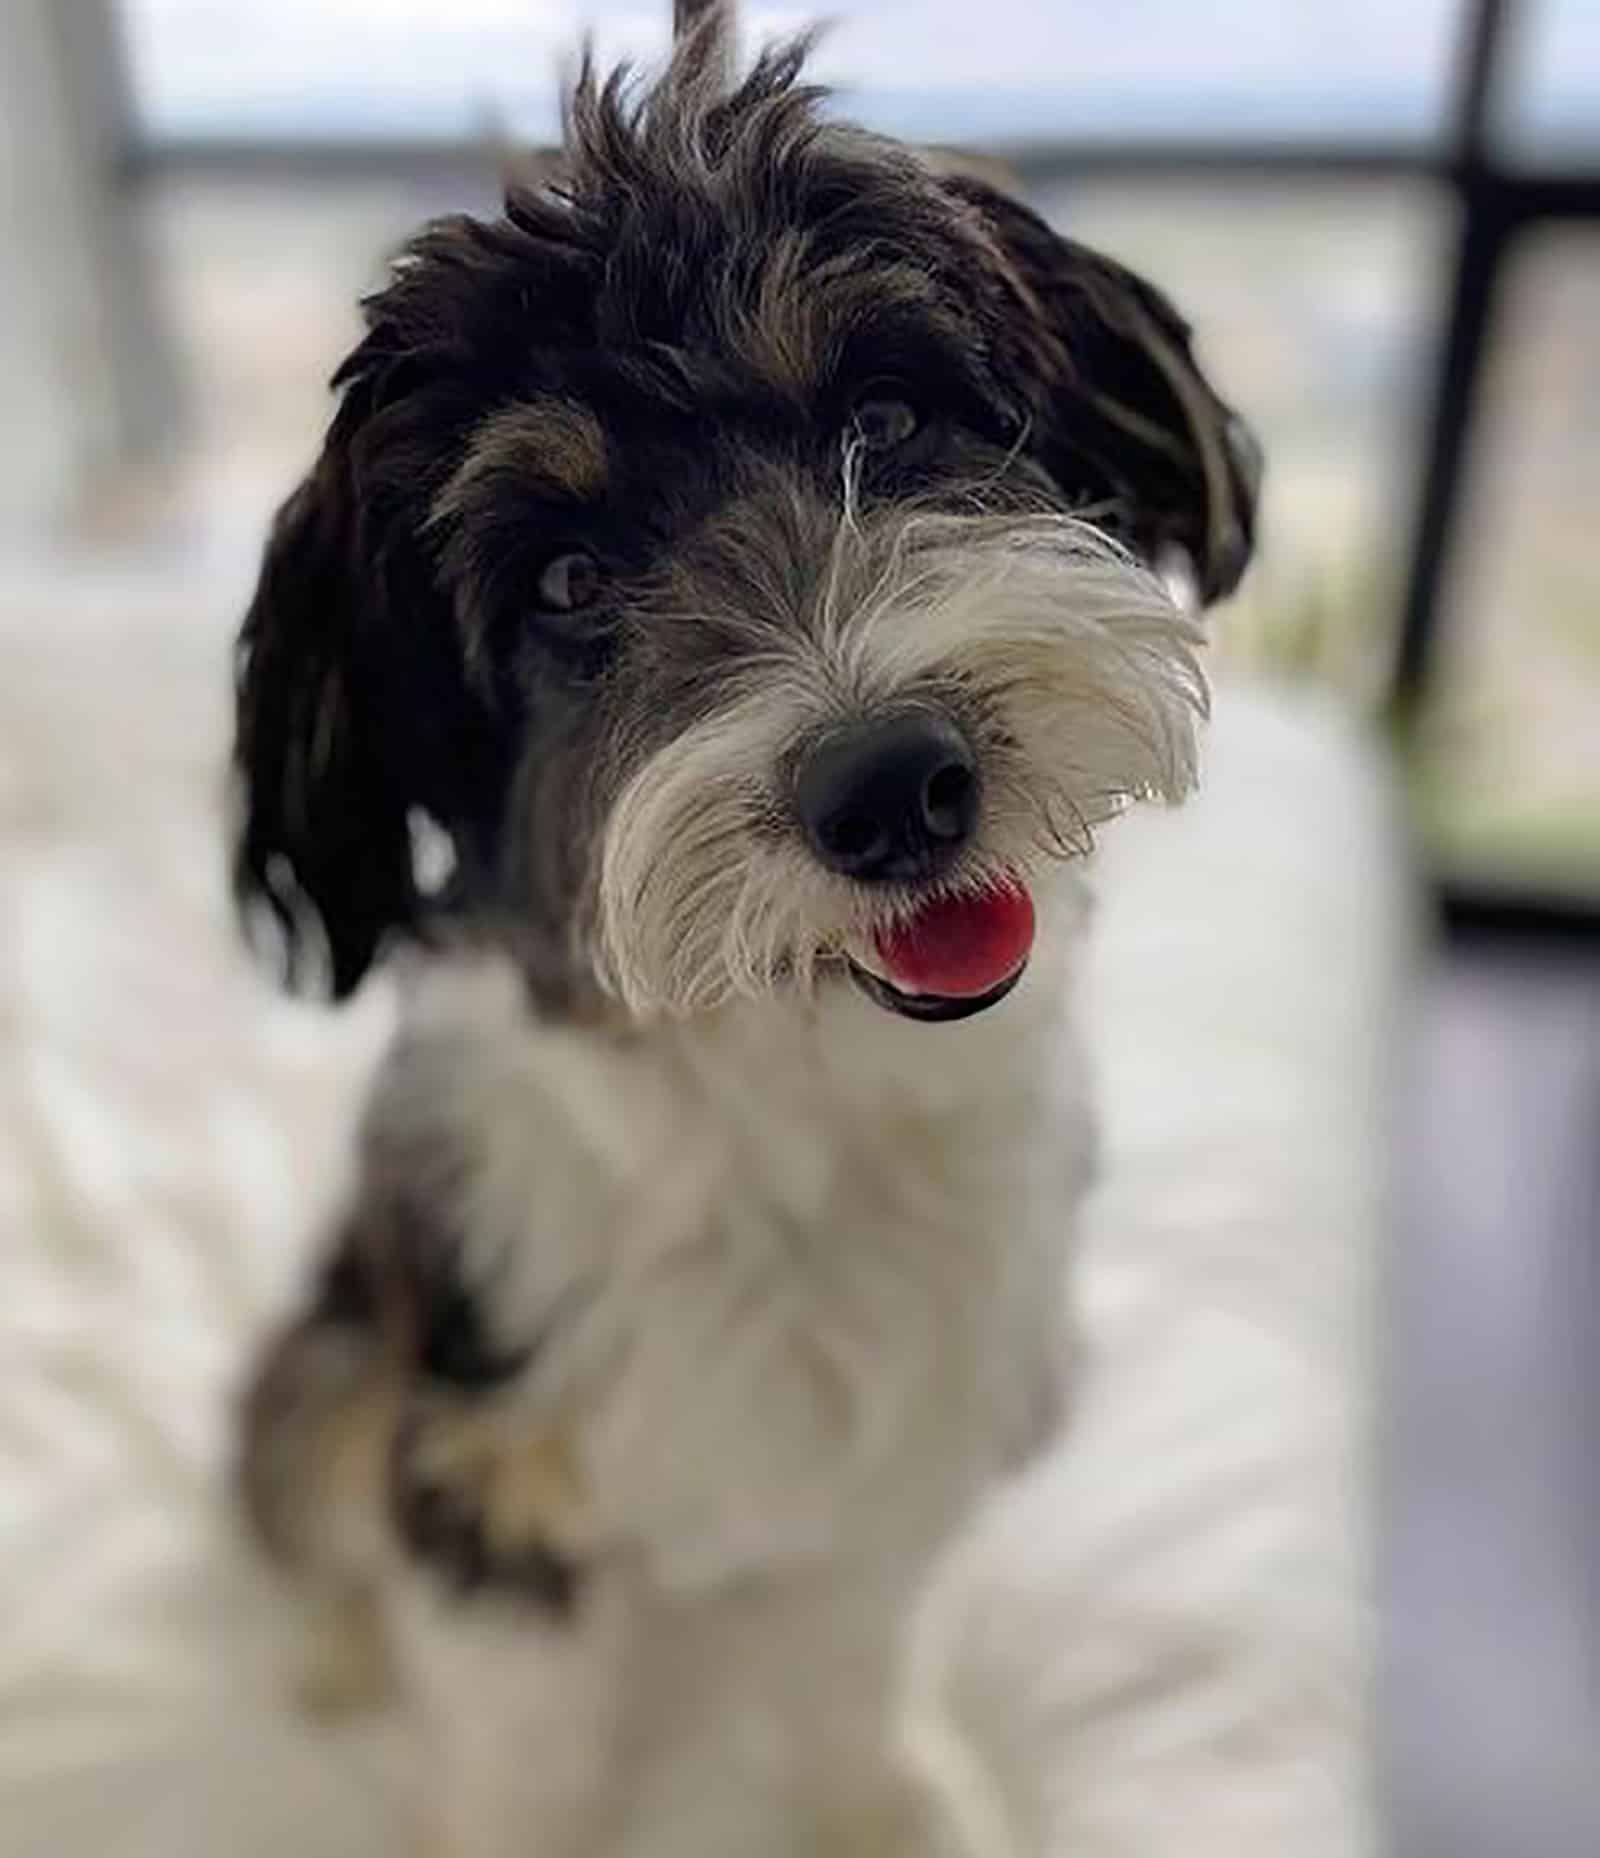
{"x":887,"y":800}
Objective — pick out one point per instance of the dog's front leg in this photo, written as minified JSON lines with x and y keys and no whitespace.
{"x":511,"y":1628}
{"x":508,"y":1611}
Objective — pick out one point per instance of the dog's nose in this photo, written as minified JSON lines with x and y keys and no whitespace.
{"x":889,"y":800}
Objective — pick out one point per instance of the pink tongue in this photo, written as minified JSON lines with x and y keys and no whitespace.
{"x":960,"y":946}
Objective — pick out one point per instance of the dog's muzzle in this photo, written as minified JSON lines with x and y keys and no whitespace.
{"x":896,"y":801}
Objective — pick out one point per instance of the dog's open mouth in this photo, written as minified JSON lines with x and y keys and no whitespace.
{"x":956,"y":957}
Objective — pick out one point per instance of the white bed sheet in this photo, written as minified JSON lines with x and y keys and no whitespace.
{"x":1171,"y":1612}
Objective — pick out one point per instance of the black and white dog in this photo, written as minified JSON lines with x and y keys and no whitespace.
{"x":734,"y":587}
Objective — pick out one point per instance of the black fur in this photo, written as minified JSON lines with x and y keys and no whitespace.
{"x":394,"y":658}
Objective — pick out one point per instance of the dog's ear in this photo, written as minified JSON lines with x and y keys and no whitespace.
{"x":357,"y":715}
{"x":1128,"y":419}
{"x":323,"y":850}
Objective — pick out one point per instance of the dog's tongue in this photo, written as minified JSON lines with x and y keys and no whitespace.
{"x":960,"y":946}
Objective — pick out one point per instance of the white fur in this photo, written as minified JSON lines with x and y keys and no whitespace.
{"x":808,"y":1260}
{"x":1069,"y":664}
{"x":794,"y":1266}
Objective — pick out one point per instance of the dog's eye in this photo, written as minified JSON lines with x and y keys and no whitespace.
{"x":568,"y":583}
{"x":881,"y":422}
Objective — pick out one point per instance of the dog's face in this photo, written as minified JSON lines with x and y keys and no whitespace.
{"x":744,"y":553}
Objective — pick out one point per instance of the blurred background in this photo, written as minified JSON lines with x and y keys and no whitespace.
{"x":197,"y":191}
{"x":1383,"y":217}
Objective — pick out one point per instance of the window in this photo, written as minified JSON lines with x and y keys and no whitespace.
{"x":1509,"y":754}
{"x":1337,"y":206}
{"x":348,"y":71}
{"x":1315,"y":304}
{"x":1550,"y":109}
{"x":1234,"y":71}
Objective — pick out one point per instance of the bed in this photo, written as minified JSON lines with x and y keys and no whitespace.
{"x":1172,"y":1609}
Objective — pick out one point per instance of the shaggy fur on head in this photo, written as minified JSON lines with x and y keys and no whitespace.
{"x":658,"y":362}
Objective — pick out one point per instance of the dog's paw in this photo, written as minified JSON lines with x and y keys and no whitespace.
{"x":491,"y":1499}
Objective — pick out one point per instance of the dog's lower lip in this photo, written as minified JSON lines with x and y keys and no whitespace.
{"x":932,"y":1008}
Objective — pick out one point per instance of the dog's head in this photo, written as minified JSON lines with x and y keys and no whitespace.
{"x":738,"y":559}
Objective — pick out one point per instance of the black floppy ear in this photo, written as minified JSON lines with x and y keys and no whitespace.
{"x":323,"y":849}
{"x":1128,"y":420}
{"x":356,"y":713}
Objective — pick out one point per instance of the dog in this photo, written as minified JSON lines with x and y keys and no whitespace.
{"x":736,"y":583}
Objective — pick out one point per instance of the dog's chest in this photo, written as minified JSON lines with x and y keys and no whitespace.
{"x":794,"y":1271}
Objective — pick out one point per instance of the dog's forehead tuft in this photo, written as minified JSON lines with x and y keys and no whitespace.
{"x":748,"y":222}
{"x":690,"y":124}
